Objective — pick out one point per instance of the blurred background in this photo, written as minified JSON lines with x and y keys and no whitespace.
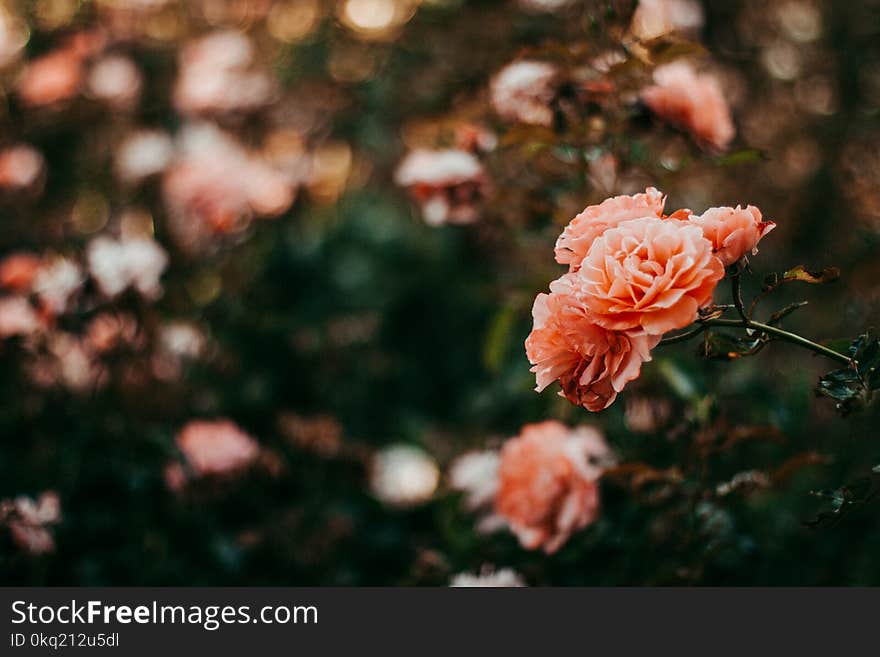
{"x":206,"y":234}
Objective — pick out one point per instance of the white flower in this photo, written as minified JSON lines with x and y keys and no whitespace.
{"x":655,"y":18}
{"x":437,"y":168}
{"x":403,"y":475}
{"x":115,"y":80}
{"x":476,"y":475}
{"x":136,"y":262}
{"x":56,"y":283}
{"x":143,"y":154}
{"x":504,"y":578}
{"x":217,"y":75}
{"x":522,"y":91}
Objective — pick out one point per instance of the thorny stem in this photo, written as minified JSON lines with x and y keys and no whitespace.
{"x":776,"y":332}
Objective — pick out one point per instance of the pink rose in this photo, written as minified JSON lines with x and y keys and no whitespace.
{"x":578,"y":236}
{"x":548,"y":482}
{"x":647,"y":276}
{"x":523,"y":91}
{"x":591,"y":363}
{"x":734,"y":232}
{"x":216,"y":447}
{"x":692,"y":101}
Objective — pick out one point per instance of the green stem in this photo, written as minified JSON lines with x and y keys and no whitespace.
{"x":736,"y":290}
{"x":776,"y":332}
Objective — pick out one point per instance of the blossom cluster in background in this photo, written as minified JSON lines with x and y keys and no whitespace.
{"x":267,"y":267}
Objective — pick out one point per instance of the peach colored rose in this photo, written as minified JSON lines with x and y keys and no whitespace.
{"x":17,"y":317}
{"x":734,"y":232}
{"x":216,"y":447}
{"x":692,"y":101}
{"x":575,"y":241}
{"x":21,"y":167}
{"x":591,"y":363}
{"x":447,"y":184}
{"x":18,"y":271}
{"x":52,"y":78}
{"x":523,"y":91}
{"x":548,"y":482}
{"x":647,"y":275}
{"x":29,"y":521}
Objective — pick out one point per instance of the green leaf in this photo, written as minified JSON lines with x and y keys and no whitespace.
{"x":801,"y":273}
{"x":853,"y":386}
{"x":744,"y":156}
{"x":721,"y":346}
{"x":497,"y":338}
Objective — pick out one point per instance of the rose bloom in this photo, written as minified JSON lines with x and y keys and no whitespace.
{"x":522,"y":92}
{"x":403,"y":476}
{"x":142,"y":154}
{"x":656,"y":18}
{"x":577,"y":237}
{"x":20,"y":167}
{"x":52,"y":78}
{"x":591,"y":363}
{"x":18,"y":270}
{"x":217,"y":75}
{"x":216,"y":186}
{"x":647,"y":275}
{"x":476,"y":475}
{"x":116,"y":80}
{"x":548,"y":482}
{"x":136,"y":262}
{"x":56,"y":283}
{"x":17,"y":317}
{"x":447,"y":184}
{"x":29,"y":521}
{"x":216,"y":447}
{"x":692,"y":101}
{"x":502,"y":578}
{"x":734,"y":232}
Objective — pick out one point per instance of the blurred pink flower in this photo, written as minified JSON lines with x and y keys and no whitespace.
{"x":18,"y":270}
{"x":501,"y":578}
{"x":136,"y":262}
{"x":107,"y":331}
{"x":403,"y":475}
{"x":216,"y":447}
{"x":52,"y":78}
{"x":545,"y":6}
{"x":548,"y":482}
{"x":578,"y":236}
{"x":115,"y":80}
{"x":142,"y":154}
{"x":217,"y":74}
{"x":17,"y":317}
{"x":70,"y":363}
{"x":56,"y":283}
{"x":523,"y":90}
{"x":591,"y":363}
{"x":21,"y":167}
{"x":29,"y":521}
{"x":215,"y":187}
{"x":646,"y":275}
{"x":476,"y":475}
{"x":447,"y":184}
{"x":692,"y":101}
{"x":656,"y":18}
{"x":734,"y":232}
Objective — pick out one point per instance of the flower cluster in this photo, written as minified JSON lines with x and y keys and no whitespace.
{"x":542,"y":484}
{"x":634,"y":274}
{"x":29,"y":522}
{"x":210,"y":449}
